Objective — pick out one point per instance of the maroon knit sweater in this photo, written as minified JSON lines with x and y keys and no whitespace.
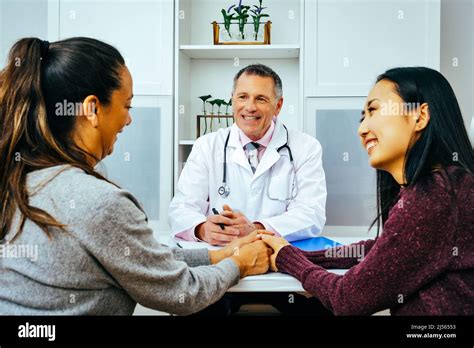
{"x":422,"y":263}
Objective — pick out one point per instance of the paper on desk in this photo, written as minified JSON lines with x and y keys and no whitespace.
{"x":196,"y":245}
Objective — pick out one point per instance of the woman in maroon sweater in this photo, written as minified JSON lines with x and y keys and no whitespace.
{"x":423,"y":262}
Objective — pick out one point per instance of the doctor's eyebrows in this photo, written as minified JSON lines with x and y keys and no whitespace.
{"x":260,"y":96}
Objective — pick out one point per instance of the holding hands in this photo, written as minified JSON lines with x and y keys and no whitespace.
{"x":276,"y":243}
{"x":250,"y":253}
{"x":254,"y":250}
{"x":254,"y":254}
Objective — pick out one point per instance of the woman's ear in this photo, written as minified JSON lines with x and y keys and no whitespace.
{"x":422,"y":118}
{"x":89,"y":109}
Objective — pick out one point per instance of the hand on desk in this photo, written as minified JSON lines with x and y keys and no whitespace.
{"x":250,"y":253}
{"x":253,"y":258}
{"x":236,"y":225}
{"x":276,"y":243}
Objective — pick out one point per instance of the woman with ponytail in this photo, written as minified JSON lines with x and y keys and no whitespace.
{"x":72,"y":242}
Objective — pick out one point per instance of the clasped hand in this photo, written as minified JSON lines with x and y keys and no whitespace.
{"x":236,"y":225}
{"x":254,"y":254}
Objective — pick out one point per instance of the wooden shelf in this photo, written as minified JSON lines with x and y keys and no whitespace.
{"x":242,"y":52}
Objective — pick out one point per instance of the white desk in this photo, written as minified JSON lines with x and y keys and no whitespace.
{"x":270,"y":282}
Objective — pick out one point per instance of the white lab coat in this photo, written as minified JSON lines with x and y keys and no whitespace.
{"x":299,"y":218}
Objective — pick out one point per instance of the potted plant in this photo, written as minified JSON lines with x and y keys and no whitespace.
{"x":212,"y":102}
{"x":257,"y":16}
{"x":229,"y":103}
{"x":219,"y":103}
{"x":228,"y":17}
{"x":242,"y":16}
{"x":236,"y":16}
{"x":204,"y":98}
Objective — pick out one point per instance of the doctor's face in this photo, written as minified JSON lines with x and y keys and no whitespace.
{"x":255,"y":104}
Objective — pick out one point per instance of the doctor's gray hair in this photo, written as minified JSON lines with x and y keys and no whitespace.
{"x":263,"y":71}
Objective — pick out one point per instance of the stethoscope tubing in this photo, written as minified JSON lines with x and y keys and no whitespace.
{"x":224,"y":190}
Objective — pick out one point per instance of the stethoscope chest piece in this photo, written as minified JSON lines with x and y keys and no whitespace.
{"x":224,"y":191}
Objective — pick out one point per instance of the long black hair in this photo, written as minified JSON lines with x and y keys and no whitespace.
{"x":444,"y":142}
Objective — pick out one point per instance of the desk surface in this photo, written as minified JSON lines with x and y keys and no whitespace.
{"x":270,"y":282}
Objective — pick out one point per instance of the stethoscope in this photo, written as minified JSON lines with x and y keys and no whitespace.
{"x":224,"y":189}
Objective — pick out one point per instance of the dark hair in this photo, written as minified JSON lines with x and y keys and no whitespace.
{"x":37,"y":77}
{"x":263,"y":71}
{"x":444,"y":142}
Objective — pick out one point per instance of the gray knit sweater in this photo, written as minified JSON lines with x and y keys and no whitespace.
{"x":106,"y":262}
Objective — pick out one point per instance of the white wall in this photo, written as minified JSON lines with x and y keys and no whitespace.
{"x":18,"y":19}
{"x":457,"y":58}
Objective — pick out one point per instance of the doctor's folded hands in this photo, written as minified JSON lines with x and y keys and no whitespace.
{"x":98,"y":255}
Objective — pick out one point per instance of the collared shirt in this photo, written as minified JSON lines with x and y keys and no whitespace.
{"x":263,"y":141}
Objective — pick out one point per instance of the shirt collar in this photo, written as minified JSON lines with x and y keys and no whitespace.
{"x":264,"y":141}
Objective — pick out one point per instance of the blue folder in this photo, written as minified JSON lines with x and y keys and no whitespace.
{"x":314,"y":244}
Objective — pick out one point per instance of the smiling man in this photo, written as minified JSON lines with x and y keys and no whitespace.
{"x":256,"y":174}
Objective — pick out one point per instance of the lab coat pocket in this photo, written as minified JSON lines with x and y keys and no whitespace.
{"x":278,"y":192}
{"x":279,"y":187}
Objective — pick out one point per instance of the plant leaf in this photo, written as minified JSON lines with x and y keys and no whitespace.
{"x":205,"y":97}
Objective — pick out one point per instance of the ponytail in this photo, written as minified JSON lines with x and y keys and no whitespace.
{"x":38,"y":76}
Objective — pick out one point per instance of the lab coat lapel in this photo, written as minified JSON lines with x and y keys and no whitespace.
{"x":271,"y":155}
{"x":238,"y":154}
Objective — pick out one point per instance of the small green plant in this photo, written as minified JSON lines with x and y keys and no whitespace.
{"x":229,"y":103}
{"x":242,"y":16}
{"x":212,"y":102}
{"x":204,"y":98}
{"x":219,"y":103}
{"x":228,"y":17}
{"x":257,"y":16}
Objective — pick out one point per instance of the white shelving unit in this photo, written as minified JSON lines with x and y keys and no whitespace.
{"x":202,"y":68}
{"x":243,"y":52}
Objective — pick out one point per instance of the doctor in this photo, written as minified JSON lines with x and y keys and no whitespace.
{"x":257,"y":173}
